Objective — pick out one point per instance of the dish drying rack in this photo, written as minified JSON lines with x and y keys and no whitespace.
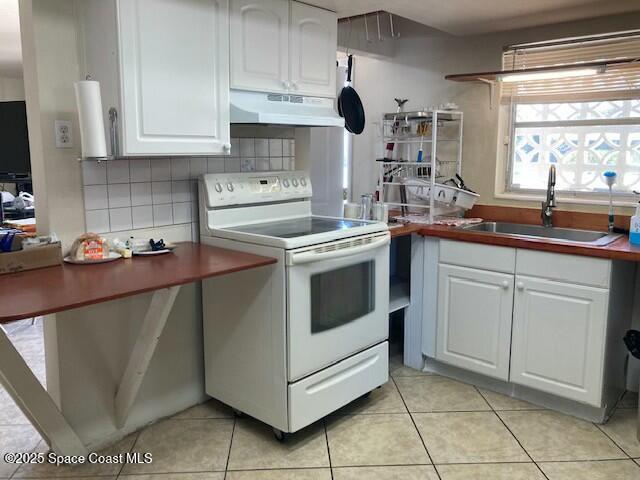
{"x":423,"y":149}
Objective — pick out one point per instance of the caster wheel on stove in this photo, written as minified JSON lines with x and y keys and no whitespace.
{"x":280,"y":435}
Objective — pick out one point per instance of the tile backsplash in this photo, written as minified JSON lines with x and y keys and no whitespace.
{"x":136,"y":193}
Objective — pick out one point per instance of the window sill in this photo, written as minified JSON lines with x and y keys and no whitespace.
{"x":571,"y":200}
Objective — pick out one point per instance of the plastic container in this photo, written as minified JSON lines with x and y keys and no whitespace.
{"x":634,"y":227}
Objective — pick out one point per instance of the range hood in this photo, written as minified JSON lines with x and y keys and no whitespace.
{"x":283,"y":109}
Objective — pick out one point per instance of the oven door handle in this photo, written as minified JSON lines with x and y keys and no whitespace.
{"x":317,"y":256}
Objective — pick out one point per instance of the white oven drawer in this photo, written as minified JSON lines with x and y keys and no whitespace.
{"x":324,"y":392}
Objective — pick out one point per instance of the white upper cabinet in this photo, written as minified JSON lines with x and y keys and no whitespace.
{"x":260,"y":45}
{"x":314,"y":39}
{"x":167,"y":73}
{"x":474,"y":319}
{"x":283,"y":47}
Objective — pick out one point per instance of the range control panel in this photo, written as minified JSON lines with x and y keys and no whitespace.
{"x":225,"y":189}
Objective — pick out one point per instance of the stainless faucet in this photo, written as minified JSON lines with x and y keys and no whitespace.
{"x":550,"y":203}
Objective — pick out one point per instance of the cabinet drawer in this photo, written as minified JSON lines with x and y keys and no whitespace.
{"x":473,"y":255}
{"x":568,"y":268}
{"x":324,"y":392}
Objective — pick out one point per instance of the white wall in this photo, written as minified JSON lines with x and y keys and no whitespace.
{"x":415,"y":67}
{"x":50,"y":67}
{"x":11,"y":89}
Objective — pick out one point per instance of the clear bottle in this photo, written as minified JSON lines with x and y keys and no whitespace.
{"x":634,"y":227}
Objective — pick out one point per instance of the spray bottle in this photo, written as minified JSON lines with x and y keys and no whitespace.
{"x":634,"y":226}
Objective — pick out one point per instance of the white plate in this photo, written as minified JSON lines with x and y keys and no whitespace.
{"x":151,"y":252}
{"x":112,"y":256}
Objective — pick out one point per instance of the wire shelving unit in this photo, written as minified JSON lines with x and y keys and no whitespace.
{"x":423,"y":149}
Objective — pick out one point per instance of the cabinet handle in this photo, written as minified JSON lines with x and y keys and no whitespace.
{"x":505,"y":284}
{"x":226,"y":147}
{"x":286,"y":84}
{"x":520,"y":286}
{"x":294,"y":85}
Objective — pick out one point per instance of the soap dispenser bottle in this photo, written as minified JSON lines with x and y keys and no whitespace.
{"x":634,"y":227}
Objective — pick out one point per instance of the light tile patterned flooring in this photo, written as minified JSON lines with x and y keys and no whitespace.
{"x":417,"y":426}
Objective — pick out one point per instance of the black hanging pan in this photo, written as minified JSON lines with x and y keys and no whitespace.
{"x":350,"y":105}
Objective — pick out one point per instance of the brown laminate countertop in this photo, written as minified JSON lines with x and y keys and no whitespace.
{"x":620,"y":249}
{"x":55,"y":289}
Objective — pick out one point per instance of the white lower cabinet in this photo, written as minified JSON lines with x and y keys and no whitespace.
{"x":547,"y":321}
{"x":474,"y":319}
{"x":559,"y":334}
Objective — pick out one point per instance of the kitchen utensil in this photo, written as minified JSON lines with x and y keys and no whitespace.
{"x":112,"y":256}
{"x":350,"y":106}
{"x":352,"y":210}
{"x":395,"y":126}
{"x":422,"y":130}
{"x":458,"y":182}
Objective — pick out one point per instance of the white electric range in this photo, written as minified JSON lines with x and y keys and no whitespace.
{"x":293,"y":342}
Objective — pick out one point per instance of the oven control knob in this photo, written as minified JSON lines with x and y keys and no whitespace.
{"x":285,"y":183}
{"x":218,"y":187}
{"x":230,"y":186}
{"x":294,"y":182}
{"x":303,"y":182}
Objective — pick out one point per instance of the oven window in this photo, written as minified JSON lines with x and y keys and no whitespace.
{"x":342,"y":296}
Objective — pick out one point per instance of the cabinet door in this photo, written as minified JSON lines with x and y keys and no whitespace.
{"x":314,"y":43}
{"x":559,"y":338}
{"x":474,"y":319}
{"x":174,"y":75}
{"x":260,"y":45}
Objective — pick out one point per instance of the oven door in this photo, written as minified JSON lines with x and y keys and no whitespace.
{"x":337,"y":301}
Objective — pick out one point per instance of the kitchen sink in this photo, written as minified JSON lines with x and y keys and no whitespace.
{"x":587,"y":237}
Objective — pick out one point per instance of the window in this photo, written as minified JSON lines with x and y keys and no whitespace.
{"x":582,"y":139}
{"x":584,"y":126}
{"x":341,"y":296}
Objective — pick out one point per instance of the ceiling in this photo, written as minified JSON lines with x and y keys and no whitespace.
{"x":465,"y":17}
{"x":10,"y":47}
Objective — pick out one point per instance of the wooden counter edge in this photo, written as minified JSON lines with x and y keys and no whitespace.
{"x":619,"y":249}
{"x":260,"y":261}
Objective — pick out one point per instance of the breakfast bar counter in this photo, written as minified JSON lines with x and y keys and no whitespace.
{"x":56,"y":289}
{"x":49,"y":290}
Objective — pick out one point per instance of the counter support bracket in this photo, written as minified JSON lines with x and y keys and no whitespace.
{"x":152,"y":326}
{"x":35,"y":402}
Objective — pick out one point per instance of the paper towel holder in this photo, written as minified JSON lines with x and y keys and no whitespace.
{"x":113,"y":139}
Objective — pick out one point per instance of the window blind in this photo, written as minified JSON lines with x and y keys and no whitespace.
{"x":618,"y":82}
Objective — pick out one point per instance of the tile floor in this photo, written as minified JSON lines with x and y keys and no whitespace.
{"x":417,"y":426}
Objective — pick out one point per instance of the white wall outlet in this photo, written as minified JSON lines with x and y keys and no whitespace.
{"x":64,"y":137}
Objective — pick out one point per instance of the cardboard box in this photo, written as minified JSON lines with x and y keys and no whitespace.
{"x":31,"y":258}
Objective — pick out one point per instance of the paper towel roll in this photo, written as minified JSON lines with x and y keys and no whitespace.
{"x":92,"y":133}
